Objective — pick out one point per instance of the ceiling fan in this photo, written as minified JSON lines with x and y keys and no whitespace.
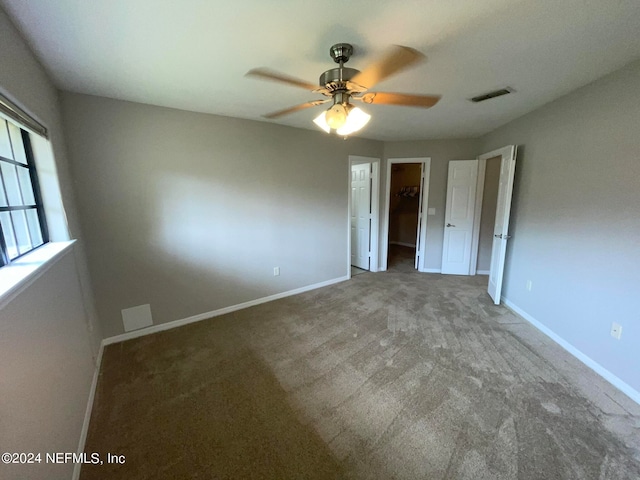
{"x":344,"y":85}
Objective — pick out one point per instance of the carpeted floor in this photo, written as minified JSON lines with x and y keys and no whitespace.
{"x":394,"y":375}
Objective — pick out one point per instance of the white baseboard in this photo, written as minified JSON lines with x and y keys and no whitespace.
{"x":432,"y":270}
{"x":87,"y":414}
{"x":592,"y":364}
{"x":215,"y":313}
{"x":403,"y":244}
{"x":482,"y":272}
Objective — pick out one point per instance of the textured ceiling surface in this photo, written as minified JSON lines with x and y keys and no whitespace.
{"x":193,"y":54}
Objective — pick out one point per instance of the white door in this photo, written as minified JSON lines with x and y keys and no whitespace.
{"x":420,"y":234}
{"x":459,"y":216}
{"x":360,"y":214}
{"x":501,"y":228}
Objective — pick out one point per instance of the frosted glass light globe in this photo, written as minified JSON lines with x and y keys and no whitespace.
{"x":336,"y":116}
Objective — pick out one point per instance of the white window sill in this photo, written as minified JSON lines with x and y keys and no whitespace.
{"x":18,"y":275}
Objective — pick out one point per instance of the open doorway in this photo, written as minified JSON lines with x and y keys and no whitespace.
{"x":407,"y":192}
{"x":477,"y":214}
{"x":496,"y":172}
{"x":404,"y":208}
{"x":488,"y":214}
{"x":363,"y":215}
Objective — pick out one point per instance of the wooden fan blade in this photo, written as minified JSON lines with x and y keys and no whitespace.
{"x":396,"y":59}
{"x":266,"y":74}
{"x":302,"y":106}
{"x":386,"y":98}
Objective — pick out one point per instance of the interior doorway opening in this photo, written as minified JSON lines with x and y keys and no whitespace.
{"x":405,"y":228}
{"x":404,"y":208}
{"x":477,"y":213}
{"x":363,"y":223}
{"x":494,"y":229}
{"x":488,"y":215}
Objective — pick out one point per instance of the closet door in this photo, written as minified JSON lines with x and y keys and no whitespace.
{"x":360,"y":215}
{"x":459,"y":217}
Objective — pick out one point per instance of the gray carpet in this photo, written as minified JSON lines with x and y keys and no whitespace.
{"x":394,"y":375}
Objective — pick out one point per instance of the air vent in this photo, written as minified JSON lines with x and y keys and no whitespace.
{"x":494,"y":94}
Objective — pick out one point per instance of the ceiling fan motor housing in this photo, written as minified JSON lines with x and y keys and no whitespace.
{"x":336,"y":79}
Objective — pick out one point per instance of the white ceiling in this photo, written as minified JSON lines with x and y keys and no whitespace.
{"x":193,"y":54}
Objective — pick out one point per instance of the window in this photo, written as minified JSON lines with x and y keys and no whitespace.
{"x":22,"y":220}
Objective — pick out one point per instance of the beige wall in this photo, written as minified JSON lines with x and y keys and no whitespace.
{"x":440,"y":152}
{"x":46,"y":363}
{"x":191,"y":212}
{"x":575,"y":221}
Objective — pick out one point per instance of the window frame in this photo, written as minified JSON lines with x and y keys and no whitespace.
{"x":37,"y":196}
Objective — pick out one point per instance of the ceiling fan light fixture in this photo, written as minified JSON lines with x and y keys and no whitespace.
{"x":340,"y":85}
{"x":354,"y":121}
{"x":322,"y":122}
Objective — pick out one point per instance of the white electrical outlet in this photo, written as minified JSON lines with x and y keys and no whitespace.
{"x":276,"y":271}
{"x":616,"y":330}
{"x":529,"y":285}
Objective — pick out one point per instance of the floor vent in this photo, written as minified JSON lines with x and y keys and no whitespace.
{"x":494,"y":94}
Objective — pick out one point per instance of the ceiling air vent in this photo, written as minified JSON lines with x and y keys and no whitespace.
{"x":494,"y":94}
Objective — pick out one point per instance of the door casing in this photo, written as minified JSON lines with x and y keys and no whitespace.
{"x":361,"y":215}
{"x":426,"y":171}
{"x":508,"y":152}
{"x":375,"y":210}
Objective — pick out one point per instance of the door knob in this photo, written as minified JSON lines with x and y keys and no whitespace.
{"x":449,"y":225}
